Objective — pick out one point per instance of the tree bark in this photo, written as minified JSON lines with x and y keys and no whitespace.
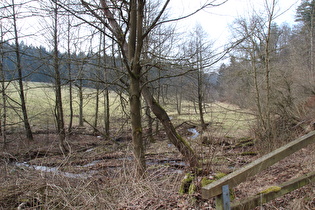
{"x":69,"y":75}
{"x":106,"y":113}
{"x":3,"y":121}
{"x":27,"y":126}
{"x":179,"y":96}
{"x":269,"y":128}
{"x":149,"y":133}
{"x":80,"y":89}
{"x":134,"y":51}
{"x":131,"y":51}
{"x":106,"y":91}
{"x":59,"y":107}
{"x":96,"y":109}
{"x":182,"y":146}
{"x":200,"y":85}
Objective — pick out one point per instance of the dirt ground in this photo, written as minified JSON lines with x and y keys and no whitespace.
{"x":98,"y":174}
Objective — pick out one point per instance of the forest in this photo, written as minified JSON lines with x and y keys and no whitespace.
{"x":105,"y":104}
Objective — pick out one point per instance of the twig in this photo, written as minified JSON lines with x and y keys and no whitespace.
{"x":102,"y":134}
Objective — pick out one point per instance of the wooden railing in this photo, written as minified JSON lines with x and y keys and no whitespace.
{"x":220,"y":188}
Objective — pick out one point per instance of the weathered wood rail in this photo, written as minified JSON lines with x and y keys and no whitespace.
{"x":235,"y":178}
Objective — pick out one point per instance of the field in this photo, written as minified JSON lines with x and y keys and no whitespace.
{"x":98,"y":174}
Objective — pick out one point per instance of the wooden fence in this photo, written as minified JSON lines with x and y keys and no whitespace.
{"x":220,"y":188}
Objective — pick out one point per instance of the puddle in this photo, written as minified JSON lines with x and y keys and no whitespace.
{"x":93,"y":163}
{"x":55,"y":170}
{"x":194,"y":132}
{"x":173,"y":163}
{"x":125,"y":158}
{"x":90,"y":150}
{"x":178,"y":171}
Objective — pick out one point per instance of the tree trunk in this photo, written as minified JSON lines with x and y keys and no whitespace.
{"x":106,"y":91}
{"x":4,"y":116}
{"x":27,"y":126}
{"x":135,"y":113}
{"x":183,"y":146}
{"x":106,"y":112}
{"x":149,"y":133}
{"x":59,"y":107}
{"x":69,"y":75}
{"x":70,"y":99}
{"x":80,"y":89}
{"x":96,"y":109}
{"x":158,"y":96}
{"x":269,"y":128}
{"x":179,"y":100}
{"x":200,"y":92}
{"x":3,"y":120}
{"x":134,"y":51}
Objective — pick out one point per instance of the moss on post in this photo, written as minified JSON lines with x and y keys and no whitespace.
{"x":205,"y":181}
{"x":186,"y":184}
{"x":219,"y":175}
{"x":270,"y":189}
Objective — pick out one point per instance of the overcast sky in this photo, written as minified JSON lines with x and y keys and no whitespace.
{"x":216,"y":20}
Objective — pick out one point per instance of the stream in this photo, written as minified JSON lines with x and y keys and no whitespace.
{"x":55,"y":170}
{"x":177,"y":164}
{"x":194,"y":132}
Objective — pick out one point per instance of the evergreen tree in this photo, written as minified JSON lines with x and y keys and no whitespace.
{"x":306,"y":13}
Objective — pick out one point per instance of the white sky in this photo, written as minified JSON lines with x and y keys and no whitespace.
{"x":215,"y":21}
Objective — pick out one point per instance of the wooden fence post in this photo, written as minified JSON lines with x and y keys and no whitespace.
{"x":289,"y":186}
{"x":236,"y":177}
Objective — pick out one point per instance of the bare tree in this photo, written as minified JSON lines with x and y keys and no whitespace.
{"x":27,"y":126}
{"x":69,"y":68}
{"x":131,"y":48}
{"x":57,"y":77}
{"x":201,"y":55}
{"x":127,"y":27}
{"x":3,"y":112}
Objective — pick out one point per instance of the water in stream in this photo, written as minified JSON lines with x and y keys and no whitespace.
{"x":55,"y":170}
{"x":177,"y":164}
{"x":194,"y":132}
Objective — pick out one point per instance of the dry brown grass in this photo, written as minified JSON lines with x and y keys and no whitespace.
{"x":122,"y":190}
{"x":113,"y":184}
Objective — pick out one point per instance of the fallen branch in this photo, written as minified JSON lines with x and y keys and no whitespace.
{"x":101,"y":133}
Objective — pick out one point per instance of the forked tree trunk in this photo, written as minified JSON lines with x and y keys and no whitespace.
{"x":132,"y":52}
{"x":183,"y":146}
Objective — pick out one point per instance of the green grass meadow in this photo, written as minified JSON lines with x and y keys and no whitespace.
{"x":40,"y":99}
